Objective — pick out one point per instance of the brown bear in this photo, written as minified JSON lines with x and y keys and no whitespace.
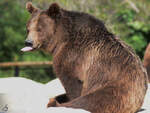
{"x":99,"y":72}
{"x":146,"y":61}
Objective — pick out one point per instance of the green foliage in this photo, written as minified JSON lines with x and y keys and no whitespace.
{"x":136,"y":30}
{"x":11,"y":31}
{"x":12,"y":35}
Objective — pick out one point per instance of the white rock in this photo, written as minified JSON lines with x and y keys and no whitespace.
{"x":65,"y":110}
{"x":146,"y":104}
{"x":22,"y":95}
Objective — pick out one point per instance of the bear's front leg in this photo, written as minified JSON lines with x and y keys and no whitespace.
{"x":54,"y":102}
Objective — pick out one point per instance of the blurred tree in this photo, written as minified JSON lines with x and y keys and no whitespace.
{"x":13,"y":33}
{"x":13,"y":18}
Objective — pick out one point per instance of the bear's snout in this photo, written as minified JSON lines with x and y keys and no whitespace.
{"x":28,"y":43}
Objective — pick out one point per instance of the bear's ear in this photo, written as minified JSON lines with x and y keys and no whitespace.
{"x":30,"y":7}
{"x":53,"y":10}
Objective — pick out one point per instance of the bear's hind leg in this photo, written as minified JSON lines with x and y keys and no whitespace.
{"x":107,"y":100}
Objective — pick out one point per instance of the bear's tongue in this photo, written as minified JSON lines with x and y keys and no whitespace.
{"x":27,"y":48}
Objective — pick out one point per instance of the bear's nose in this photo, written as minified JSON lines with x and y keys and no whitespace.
{"x":28,"y":43}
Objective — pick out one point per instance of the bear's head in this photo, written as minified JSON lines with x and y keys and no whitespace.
{"x":41,"y":28}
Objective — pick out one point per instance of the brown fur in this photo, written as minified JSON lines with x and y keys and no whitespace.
{"x":99,"y":72}
{"x":147,"y":60}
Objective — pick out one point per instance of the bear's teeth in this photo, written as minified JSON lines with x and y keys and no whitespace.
{"x":25,"y":49}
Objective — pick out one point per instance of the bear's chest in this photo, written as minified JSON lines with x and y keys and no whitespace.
{"x":69,"y":65}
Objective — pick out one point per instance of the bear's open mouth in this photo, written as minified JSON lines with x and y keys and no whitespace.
{"x":27,"y":48}
{"x":30,"y":48}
